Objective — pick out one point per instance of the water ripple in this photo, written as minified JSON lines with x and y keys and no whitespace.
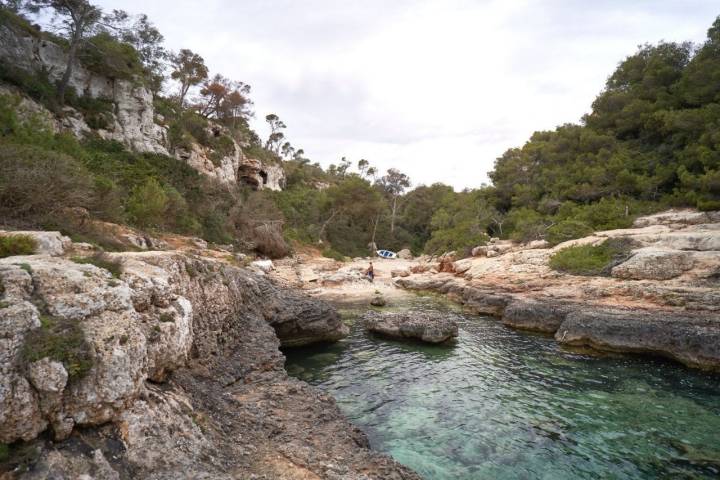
{"x":500,"y":404}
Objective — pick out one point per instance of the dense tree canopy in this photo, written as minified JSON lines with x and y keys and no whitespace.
{"x":651,"y":140}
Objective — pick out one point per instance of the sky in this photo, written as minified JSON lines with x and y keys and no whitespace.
{"x":435,"y":88}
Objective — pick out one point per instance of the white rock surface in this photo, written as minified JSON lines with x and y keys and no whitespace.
{"x":48,"y":243}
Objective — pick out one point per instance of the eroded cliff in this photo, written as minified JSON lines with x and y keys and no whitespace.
{"x":169,"y":369}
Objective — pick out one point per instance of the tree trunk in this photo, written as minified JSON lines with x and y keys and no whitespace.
{"x":72,"y":53}
{"x":324,"y":226}
{"x":372,"y":242}
{"x":183,"y":91}
{"x":392,"y":218}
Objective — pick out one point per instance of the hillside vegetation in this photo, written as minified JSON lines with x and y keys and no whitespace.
{"x":652,"y":140}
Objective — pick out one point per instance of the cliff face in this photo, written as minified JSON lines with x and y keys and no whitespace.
{"x":182,"y":376}
{"x":133,"y":121}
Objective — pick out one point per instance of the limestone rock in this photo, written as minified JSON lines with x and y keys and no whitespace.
{"x":654,"y":264}
{"x":132,"y":119}
{"x":48,"y":376}
{"x":691,"y":339}
{"x":462,"y":266}
{"x":378,"y":301}
{"x":400,"y":273}
{"x":479,"y":251}
{"x":405,"y":254}
{"x":538,"y":244}
{"x":48,"y":243}
{"x":677,"y":217}
{"x":265,"y":266}
{"x":430,"y":327}
{"x":539,"y":316}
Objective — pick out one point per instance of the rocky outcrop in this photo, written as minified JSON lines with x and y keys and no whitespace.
{"x":654,"y":264}
{"x":233,"y":167}
{"x":430,"y":327}
{"x":405,"y":254}
{"x":132,"y":120}
{"x":47,"y":243}
{"x":692,"y":340}
{"x":662,"y":300}
{"x":176,"y":344}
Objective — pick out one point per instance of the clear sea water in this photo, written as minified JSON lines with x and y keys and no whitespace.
{"x":502,"y":404}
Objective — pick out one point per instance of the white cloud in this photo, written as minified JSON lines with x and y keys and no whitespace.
{"x":436,"y":88}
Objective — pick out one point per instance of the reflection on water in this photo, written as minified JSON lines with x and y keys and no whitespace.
{"x":500,"y":404}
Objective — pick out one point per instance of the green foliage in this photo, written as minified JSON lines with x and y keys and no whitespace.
{"x":61,"y":340}
{"x":35,"y":84}
{"x":591,"y":260}
{"x":567,"y":230}
{"x":37,"y":183}
{"x":460,"y":221}
{"x":4,"y":449}
{"x":147,"y":203}
{"x":102,"y":261}
{"x":259,"y":153}
{"x":334,"y":254}
{"x":26,"y":267}
{"x":11,"y":245}
{"x":17,"y":23}
{"x":106,"y":56}
{"x":651,"y":139}
{"x":95,"y":111}
{"x":526,"y":224}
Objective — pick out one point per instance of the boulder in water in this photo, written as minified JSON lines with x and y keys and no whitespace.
{"x":378,"y":301}
{"x":431,"y":327}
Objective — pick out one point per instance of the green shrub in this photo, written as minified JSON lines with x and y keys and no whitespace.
{"x":61,"y":340}
{"x":526,"y":225}
{"x":567,"y":230}
{"x":25,"y":266}
{"x":592,"y":260}
{"x":102,"y":261}
{"x":222,"y":146}
{"x":17,"y":22}
{"x":11,"y":245}
{"x":4,"y":452}
{"x":36,"y":84}
{"x":147,"y":203}
{"x":708,"y":205}
{"x":37,"y":184}
{"x":106,"y":56}
{"x":95,"y":111}
{"x":334,"y":254}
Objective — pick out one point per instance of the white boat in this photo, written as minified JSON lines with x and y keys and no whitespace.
{"x":386,"y":254}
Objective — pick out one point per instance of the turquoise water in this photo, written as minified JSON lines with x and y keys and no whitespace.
{"x":500,"y":404}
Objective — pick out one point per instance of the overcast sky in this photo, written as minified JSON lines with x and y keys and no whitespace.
{"x":436,"y":88}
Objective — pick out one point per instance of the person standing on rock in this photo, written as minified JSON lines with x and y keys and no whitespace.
{"x":370,"y":272}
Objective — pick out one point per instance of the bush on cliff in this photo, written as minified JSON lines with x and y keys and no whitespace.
{"x":567,"y":230}
{"x":11,"y":245}
{"x":37,"y":184}
{"x":592,"y":260}
{"x":61,"y":340}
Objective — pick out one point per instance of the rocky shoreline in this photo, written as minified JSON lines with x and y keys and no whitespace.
{"x":663,"y":300}
{"x":186,"y":377}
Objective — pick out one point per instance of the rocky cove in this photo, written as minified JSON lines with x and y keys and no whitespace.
{"x":182,"y":374}
{"x":162,"y":342}
{"x":186,"y":377}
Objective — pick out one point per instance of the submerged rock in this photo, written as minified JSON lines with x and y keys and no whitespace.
{"x":378,"y":301}
{"x":431,"y":327}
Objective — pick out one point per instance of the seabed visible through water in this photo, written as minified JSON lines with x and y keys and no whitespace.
{"x":502,"y":404}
